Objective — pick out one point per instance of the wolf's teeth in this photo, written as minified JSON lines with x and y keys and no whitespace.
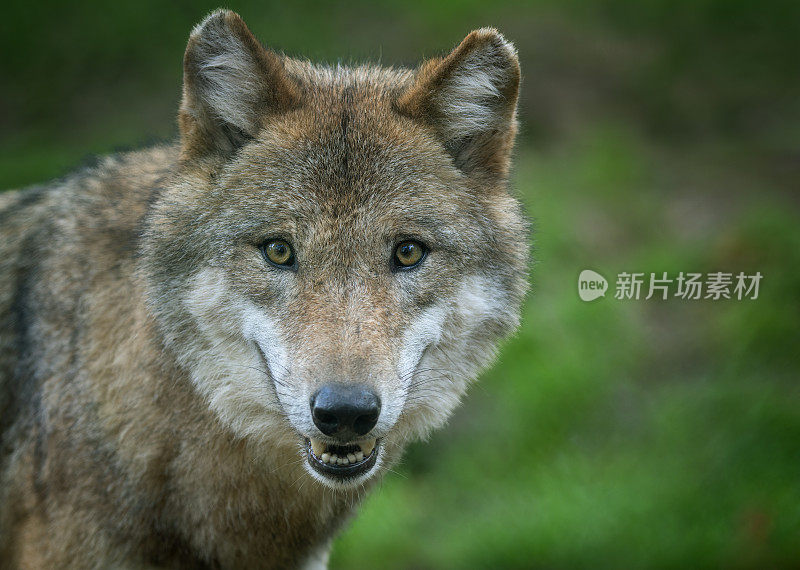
{"x":367,"y":446}
{"x":318,"y":447}
{"x":323,"y":453}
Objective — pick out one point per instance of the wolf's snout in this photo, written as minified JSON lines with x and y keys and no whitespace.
{"x":345,"y":411}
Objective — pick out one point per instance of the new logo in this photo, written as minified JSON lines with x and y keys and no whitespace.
{"x":591,"y":285}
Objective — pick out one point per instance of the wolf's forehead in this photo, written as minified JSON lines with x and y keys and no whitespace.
{"x":347,"y":154}
{"x":348,"y":124}
{"x":350,"y":164}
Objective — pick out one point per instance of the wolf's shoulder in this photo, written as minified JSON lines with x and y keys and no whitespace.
{"x":65,"y":240}
{"x":115,"y":180}
{"x":83,"y":224}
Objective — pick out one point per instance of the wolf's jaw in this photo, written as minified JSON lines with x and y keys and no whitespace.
{"x":342,"y":462}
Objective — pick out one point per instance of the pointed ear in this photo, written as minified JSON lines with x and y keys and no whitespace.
{"x":470,"y":99}
{"x":231,"y":83}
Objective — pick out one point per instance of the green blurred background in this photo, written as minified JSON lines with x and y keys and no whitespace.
{"x":656,"y":136}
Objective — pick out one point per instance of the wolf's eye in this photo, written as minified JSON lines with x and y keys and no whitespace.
{"x":408,"y":254}
{"x":278,"y":252}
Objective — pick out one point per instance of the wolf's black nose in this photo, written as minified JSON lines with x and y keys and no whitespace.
{"x":345,"y":410}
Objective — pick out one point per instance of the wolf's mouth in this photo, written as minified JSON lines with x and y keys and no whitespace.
{"x":342,"y":461}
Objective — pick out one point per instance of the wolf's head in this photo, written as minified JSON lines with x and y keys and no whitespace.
{"x":338,"y":255}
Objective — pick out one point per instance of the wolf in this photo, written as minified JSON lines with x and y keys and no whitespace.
{"x":211,"y":350}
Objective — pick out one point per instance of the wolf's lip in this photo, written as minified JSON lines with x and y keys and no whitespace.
{"x":342,"y":461}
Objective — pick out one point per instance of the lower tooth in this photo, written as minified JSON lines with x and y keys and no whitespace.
{"x":334,"y":458}
{"x":359,"y":456}
{"x":325,"y":457}
{"x":351,"y":457}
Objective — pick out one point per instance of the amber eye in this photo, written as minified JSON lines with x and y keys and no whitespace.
{"x":278,"y":252}
{"x":408,"y":254}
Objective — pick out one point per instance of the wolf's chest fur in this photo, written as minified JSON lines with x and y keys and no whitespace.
{"x":210,"y":351}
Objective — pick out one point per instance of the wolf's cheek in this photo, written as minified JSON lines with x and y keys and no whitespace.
{"x":447,"y":347}
{"x":265,"y":334}
{"x":225,"y":366}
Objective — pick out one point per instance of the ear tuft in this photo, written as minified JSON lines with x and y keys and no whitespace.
{"x":470,"y":97}
{"x":231,"y":83}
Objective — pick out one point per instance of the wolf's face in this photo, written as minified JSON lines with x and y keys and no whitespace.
{"x":338,"y":255}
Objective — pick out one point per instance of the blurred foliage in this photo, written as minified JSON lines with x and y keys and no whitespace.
{"x":656,"y":136}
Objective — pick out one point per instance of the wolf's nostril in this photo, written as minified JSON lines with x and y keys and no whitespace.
{"x":345,"y":410}
{"x":325,"y":421}
{"x":324,"y":417}
{"x":365,"y":423}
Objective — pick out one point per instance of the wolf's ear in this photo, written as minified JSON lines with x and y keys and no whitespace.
{"x":470,"y":99}
{"x":230,"y":84}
